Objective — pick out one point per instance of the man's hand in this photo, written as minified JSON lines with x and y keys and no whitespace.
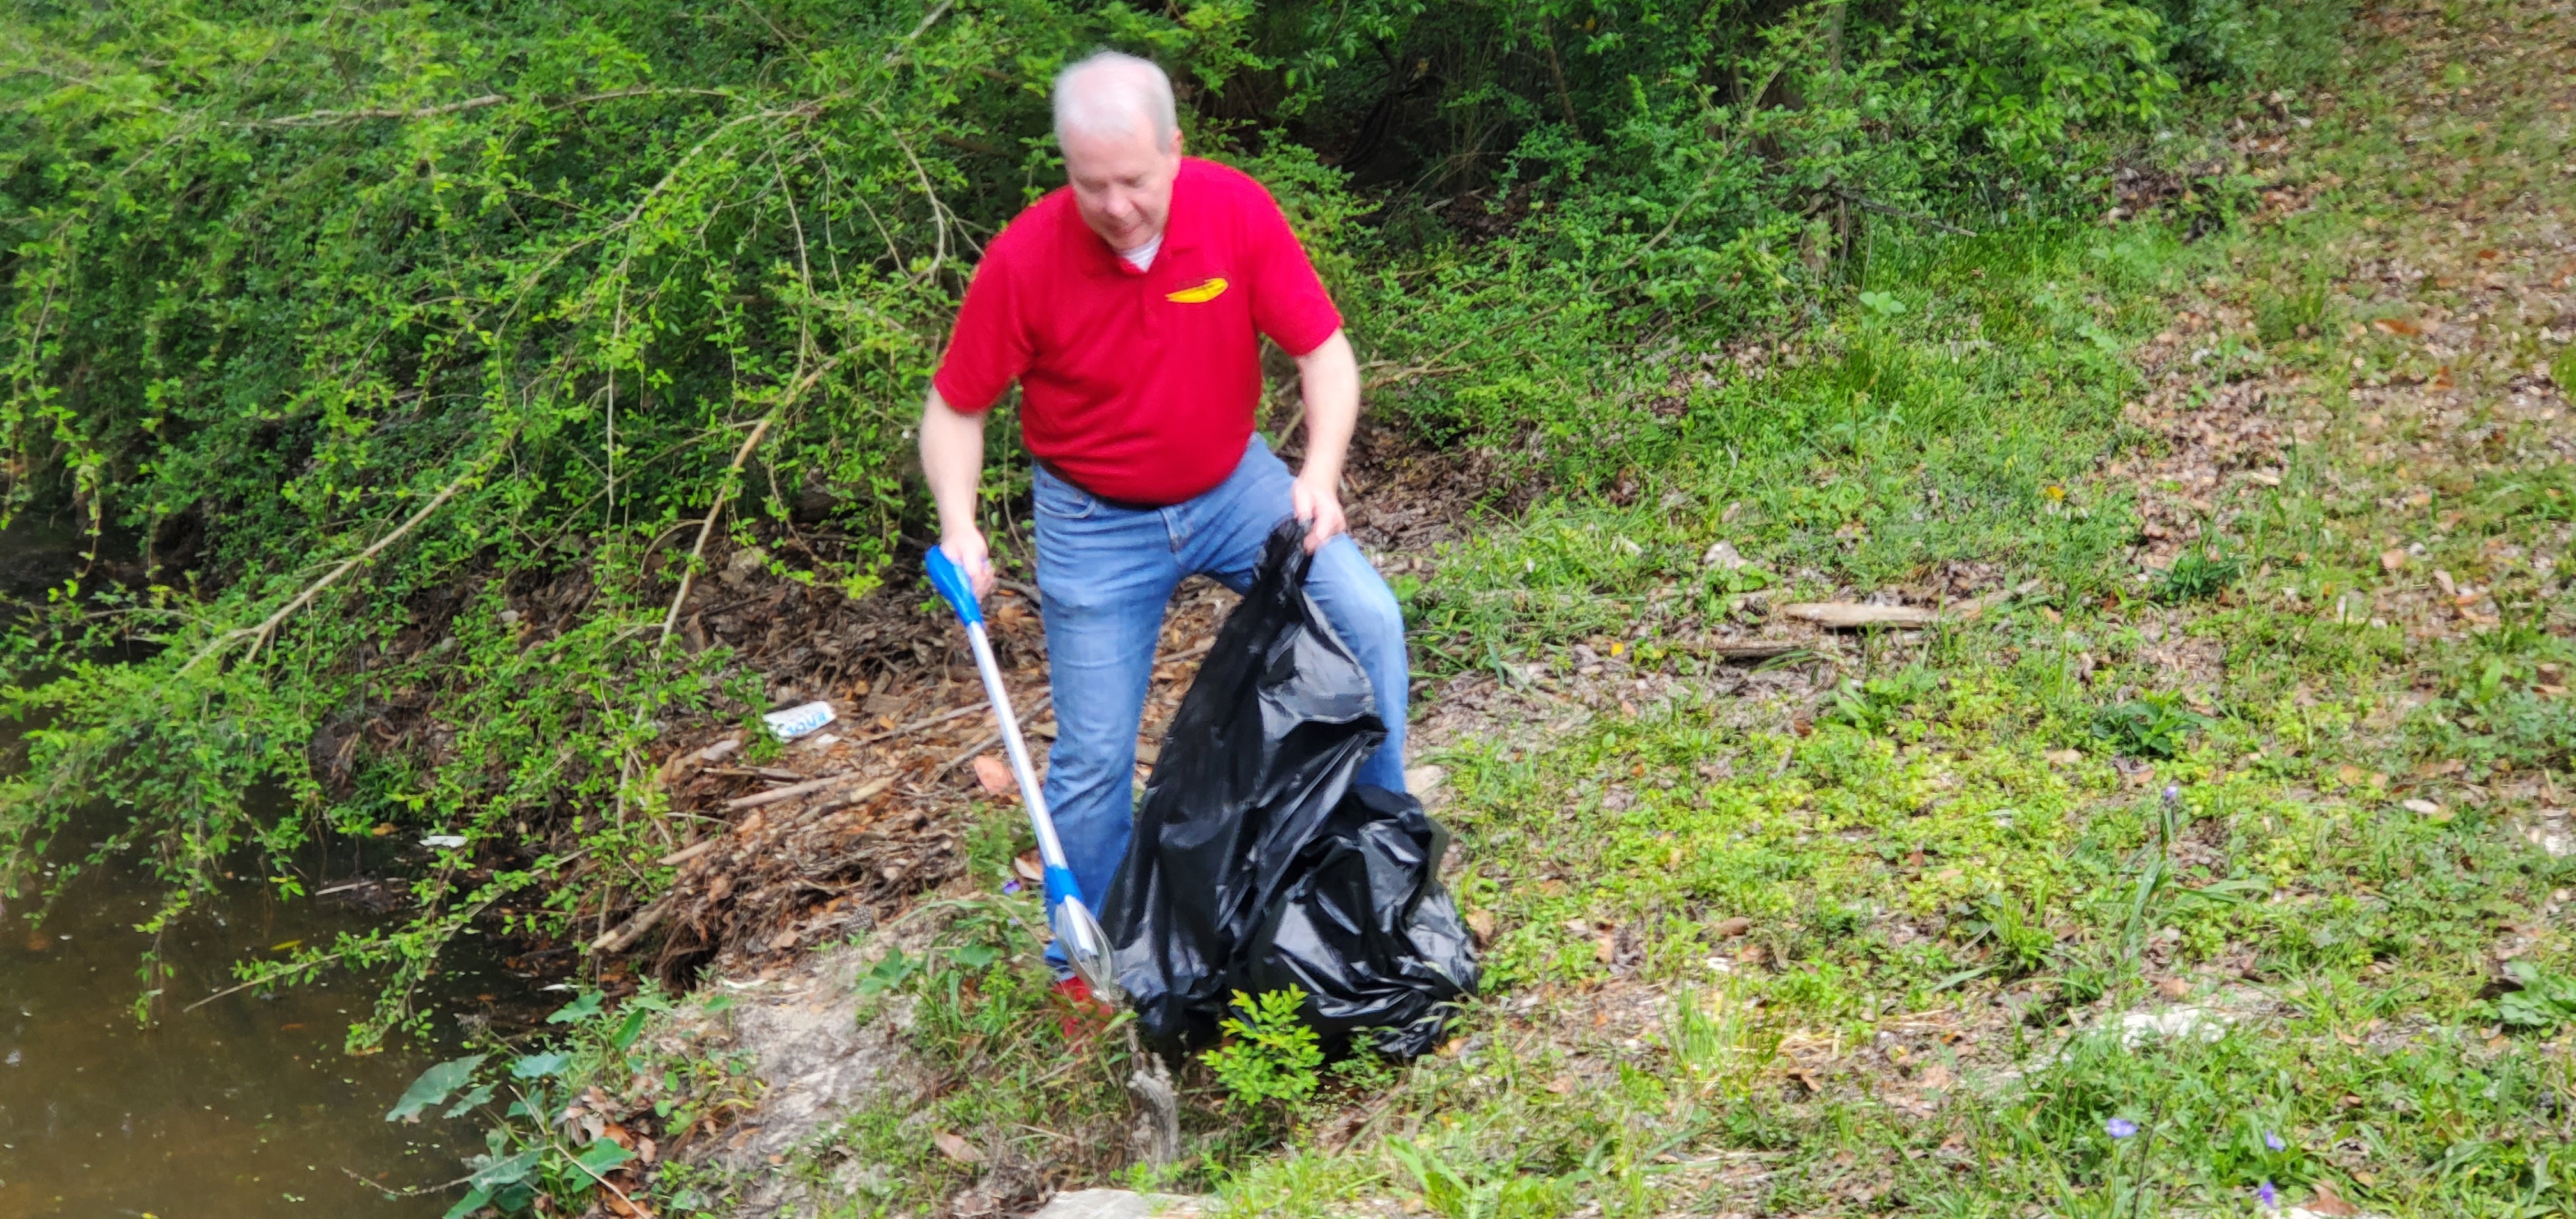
{"x":952,"y":460}
{"x":1319,"y":506}
{"x":1330,"y":375}
{"x":967,"y":550}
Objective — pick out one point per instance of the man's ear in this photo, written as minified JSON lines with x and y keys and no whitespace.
{"x":1176,"y":141}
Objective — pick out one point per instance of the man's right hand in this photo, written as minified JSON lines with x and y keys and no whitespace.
{"x":952,"y":459}
{"x":967,"y":550}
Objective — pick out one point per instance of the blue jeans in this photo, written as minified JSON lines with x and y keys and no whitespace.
{"x":1105,"y":574}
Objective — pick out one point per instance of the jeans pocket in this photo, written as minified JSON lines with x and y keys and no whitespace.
{"x":1062,"y":500}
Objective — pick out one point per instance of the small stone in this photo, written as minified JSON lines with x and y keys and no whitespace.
{"x":1121,"y":1204}
{"x":1721,"y":555}
{"x":2423,"y":807}
{"x":1425,"y":779}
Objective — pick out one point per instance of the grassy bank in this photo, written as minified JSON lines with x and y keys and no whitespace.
{"x":2211,"y":853}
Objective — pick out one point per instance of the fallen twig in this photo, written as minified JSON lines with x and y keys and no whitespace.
{"x":689,"y":570}
{"x":1867,"y":204}
{"x":259,"y":635}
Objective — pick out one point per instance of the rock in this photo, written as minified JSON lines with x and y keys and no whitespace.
{"x":2196,"y":1023}
{"x":1124,"y":1204}
{"x":1424,"y":780}
{"x":1721,"y":555}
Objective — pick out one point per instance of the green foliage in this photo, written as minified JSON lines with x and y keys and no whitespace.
{"x":2151,"y":725}
{"x":1455,"y":1187}
{"x":534,"y":1156}
{"x":2198,"y":575}
{"x":366,"y":329}
{"x":1270,"y":1056}
{"x":2296,"y":312}
{"x":1874,"y":705}
{"x":2545,"y":1003}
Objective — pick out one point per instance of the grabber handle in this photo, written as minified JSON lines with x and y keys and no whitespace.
{"x":953,"y":586}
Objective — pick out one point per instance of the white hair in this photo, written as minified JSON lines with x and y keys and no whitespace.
{"x":1113,"y":94}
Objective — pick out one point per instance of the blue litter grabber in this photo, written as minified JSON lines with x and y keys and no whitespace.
{"x":1085,"y":945}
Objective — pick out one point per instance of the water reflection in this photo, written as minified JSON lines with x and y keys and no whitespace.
{"x":245,"y":1107}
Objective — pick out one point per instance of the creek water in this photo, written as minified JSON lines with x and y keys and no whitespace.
{"x":244,"y":1108}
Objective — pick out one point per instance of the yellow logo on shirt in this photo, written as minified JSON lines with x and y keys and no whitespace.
{"x":1199,"y":294}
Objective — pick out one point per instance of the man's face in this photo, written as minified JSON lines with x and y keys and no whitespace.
{"x":1122,"y":184}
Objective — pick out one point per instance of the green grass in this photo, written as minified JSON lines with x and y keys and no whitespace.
{"x":1918,"y":925}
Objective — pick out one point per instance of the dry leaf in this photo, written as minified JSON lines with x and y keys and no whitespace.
{"x":992,"y":773}
{"x":1936,"y":1077}
{"x":624,"y":1208}
{"x":2392,"y":560}
{"x":1026,"y":864}
{"x":1482,"y":923}
{"x":956,"y":1148}
{"x":2420,"y":806}
{"x":2328,"y":1202}
{"x":2174,"y":988}
{"x":1728,"y":929}
{"x":2064,"y":757}
{"x":783,"y":940}
{"x":2399,"y":325}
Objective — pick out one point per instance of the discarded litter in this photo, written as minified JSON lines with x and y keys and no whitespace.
{"x":799,"y":721}
{"x":2195,"y":1023}
{"x":442,"y":840}
{"x":1258,"y":866}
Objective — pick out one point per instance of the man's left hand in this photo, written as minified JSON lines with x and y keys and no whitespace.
{"x":1319,"y":505}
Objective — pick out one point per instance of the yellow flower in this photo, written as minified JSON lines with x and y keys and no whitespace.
{"x":2055,"y":493}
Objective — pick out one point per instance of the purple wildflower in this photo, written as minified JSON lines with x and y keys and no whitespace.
{"x":2273,"y":1141}
{"x":2268,"y":1196}
{"x":2173,"y":792}
{"x":1010,"y":886}
{"x":2120,"y":1127}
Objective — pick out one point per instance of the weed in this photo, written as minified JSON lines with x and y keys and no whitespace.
{"x":2299,"y":312}
{"x":1270,"y":1055}
{"x":2151,"y":725}
{"x":1873,"y":705}
{"x":2545,"y":1002}
{"x":2198,"y":575}
{"x":1473,"y":1188}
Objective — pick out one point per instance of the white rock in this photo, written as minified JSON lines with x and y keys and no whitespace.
{"x":1123,"y":1204}
{"x":1721,"y":555}
{"x":2197,"y":1023}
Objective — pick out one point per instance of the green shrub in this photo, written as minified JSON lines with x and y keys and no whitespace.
{"x":1270,"y":1056}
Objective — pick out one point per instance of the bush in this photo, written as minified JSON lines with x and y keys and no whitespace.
{"x":342,"y":333}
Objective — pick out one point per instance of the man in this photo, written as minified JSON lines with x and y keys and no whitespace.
{"x":1126,"y":305}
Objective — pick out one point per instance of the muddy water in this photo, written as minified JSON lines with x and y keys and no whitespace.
{"x":245,"y":1107}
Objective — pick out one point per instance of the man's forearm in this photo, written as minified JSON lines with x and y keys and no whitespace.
{"x":1330,"y":377}
{"x":952,"y":462}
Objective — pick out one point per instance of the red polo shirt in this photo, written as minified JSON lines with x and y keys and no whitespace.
{"x":1138,"y":385}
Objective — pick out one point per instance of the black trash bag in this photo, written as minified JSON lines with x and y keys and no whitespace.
{"x":1256,"y":863}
